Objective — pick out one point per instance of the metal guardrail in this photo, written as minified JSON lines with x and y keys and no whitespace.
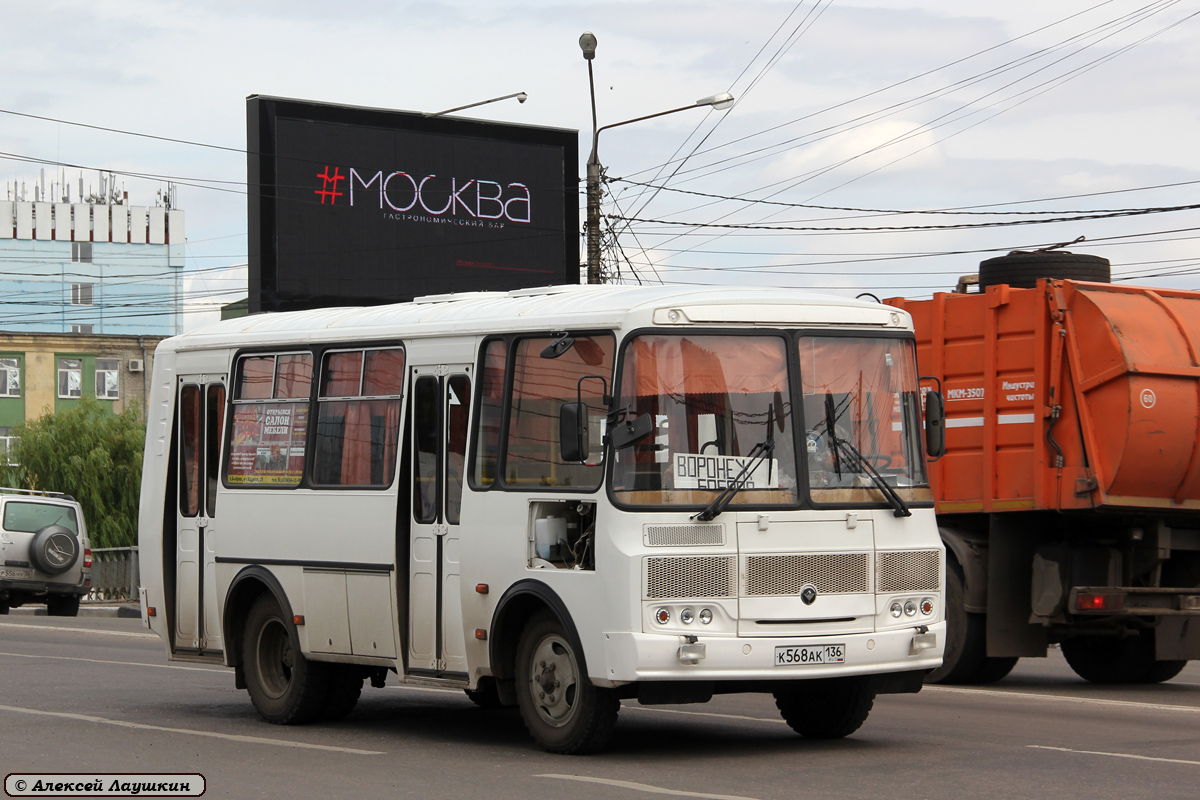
{"x":115,"y":575}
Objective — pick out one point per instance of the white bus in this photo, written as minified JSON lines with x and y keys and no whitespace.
{"x":555,"y":498}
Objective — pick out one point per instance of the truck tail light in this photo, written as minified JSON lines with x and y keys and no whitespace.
{"x":87,"y":559}
{"x":1087,"y":601}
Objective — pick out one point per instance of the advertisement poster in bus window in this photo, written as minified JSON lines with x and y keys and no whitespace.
{"x":268,"y":444}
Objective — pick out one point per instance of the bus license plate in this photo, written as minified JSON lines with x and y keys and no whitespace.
{"x":810,"y":654}
{"x":16,"y":574}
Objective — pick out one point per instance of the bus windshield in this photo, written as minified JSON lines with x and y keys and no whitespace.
{"x":861,"y":417}
{"x":715,"y":400}
{"x":723,"y":413}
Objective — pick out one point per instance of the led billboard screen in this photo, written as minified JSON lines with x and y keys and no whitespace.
{"x":361,"y":206}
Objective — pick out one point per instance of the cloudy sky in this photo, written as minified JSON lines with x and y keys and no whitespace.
{"x":848,"y":112}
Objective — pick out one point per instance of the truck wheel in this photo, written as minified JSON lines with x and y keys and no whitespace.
{"x":62,"y":605}
{"x":285,"y":687}
{"x":562,"y":710}
{"x":345,"y":686}
{"x":965,"y":634}
{"x":830,"y":708}
{"x":1110,"y":660}
{"x":994,"y":669}
{"x":1021,"y":270}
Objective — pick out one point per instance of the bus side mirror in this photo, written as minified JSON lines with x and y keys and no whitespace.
{"x":935,"y":425}
{"x":573,"y":432}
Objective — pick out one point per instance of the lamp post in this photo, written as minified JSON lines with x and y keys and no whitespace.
{"x":521,"y":97}
{"x":587,"y":43}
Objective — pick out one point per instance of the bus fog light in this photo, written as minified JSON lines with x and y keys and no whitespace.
{"x":687,"y":616}
{"x":705,"y":616}
{"x":910,"y":608}
{"x":896,"y":609}
{"x":662,"y":616}
{"x":927,"y":606}
{"x":691,"y":653}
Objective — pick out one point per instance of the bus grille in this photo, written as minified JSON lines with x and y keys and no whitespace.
{"x":684,"y":535}
{"x":909,"y":571}
{"x":830,"y":573}
{"x":691,"y":576}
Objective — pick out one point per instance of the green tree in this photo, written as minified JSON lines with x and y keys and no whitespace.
{"x":91,"y":454}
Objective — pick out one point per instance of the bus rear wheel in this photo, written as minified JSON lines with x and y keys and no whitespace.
{"x":830,"y":708}
{"x":562,"y":710}
{"x":285,"y":687}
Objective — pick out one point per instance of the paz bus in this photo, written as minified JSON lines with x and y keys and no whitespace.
{"x":556,"y":499}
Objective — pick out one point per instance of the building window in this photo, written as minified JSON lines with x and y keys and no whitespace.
{"x":82,"y":294}
{"x":108,"y":378}
{"x":10,"y":377}
{"x":6,"y":443}
{"x":70,"y":377}
{"x":83,"y":329}
{"x":81,"y":252}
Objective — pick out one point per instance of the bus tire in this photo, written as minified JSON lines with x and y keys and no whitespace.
{"x":562,"y":710}
{"x":3,"y":607}
{"x":1164,"y":671}
{"x":284,"y":686}
{"x":345,"y":687}
{"x":1110,"y":659}
{"x":830,"y":708}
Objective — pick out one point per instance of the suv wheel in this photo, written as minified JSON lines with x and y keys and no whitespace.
{"x":62,"y":605}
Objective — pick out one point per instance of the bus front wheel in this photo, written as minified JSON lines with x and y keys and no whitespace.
{"x":285,"y":687}
{"x":830,"y":708}
{"x":562,"y":710}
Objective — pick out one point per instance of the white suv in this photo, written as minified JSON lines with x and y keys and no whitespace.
{"x":45,"y":556}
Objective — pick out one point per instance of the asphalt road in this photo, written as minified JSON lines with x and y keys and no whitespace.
{"x":97,"y":695}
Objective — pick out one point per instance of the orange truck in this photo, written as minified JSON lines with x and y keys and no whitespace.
{"x":1069,"y":494}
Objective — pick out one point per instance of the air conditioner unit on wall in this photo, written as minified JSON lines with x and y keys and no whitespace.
{"x":137,"y":365}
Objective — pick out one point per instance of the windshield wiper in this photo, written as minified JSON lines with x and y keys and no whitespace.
{"x":855,"y":459}
{"x":760,"y":451}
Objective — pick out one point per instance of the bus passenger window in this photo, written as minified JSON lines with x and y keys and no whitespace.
{"x":426,"y":446}
{"x":491,"y":413}
{"x":189,"y":451}
{"x":458,"y":400}
{"x":540,"y":386}
{"x":270,"y":421}
{"x":358,"y":418}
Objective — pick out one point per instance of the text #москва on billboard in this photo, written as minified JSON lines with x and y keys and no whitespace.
{"x":358,"y":206}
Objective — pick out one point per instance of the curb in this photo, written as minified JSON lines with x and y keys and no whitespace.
{"x":123,"y":612}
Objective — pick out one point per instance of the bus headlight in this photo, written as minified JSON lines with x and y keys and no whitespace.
{"x":896,"y":609}
{"x":687,"y":616}
{"x":705,"y":616}
{"x":910,"y":608}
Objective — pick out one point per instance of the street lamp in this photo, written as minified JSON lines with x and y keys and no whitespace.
{"x":521,"y":98}
{"x":587,"y":43}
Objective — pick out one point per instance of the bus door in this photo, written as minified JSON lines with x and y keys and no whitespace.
{"x":441,"y":402}
{"x":201,"y":415}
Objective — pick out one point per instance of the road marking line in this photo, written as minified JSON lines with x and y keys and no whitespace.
{"x":645,"y":787}
{"x":703,"y":714}
{"x":1114,"y":755}
{"x":122,"y":663}
{"x":78,"y":630}
{"x":232,"y":737}
{"x":1064,"y":698}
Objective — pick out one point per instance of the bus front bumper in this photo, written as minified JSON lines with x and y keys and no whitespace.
{"x":632,"y":657}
